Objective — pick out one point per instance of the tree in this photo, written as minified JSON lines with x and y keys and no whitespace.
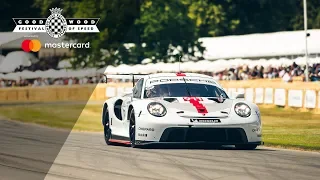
{"x":16,"y":9}
{"x":116,"y":18}
{"x":234,"y":17}
{"x":167,"y":31}
{"x":313,"y":12}
{"x":212,"y":17}
{"x":263,"y":16}
{"x":164,"y":26}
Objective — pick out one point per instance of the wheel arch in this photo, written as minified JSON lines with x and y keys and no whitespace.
{"x":105,"y":106}
{"x":129,"y":111}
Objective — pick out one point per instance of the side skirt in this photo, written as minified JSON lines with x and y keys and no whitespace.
{"x":119,"y":139}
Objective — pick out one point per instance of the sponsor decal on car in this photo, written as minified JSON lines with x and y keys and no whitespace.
{"x":143,"y":135}
{"x":256,"y":129}
{"x":205,"y":120}
{"x":146,"y":129}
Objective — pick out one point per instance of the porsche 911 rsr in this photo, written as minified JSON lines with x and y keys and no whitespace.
{"x":181,"y":108}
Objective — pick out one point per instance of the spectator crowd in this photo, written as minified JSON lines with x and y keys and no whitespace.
{"x":259,"y":72}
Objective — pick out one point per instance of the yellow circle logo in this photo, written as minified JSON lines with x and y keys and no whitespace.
{"x":31,"y":45}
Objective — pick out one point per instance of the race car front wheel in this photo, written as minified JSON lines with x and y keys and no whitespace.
{"x":246,"y":146}
{"x":107,"y":130}
{"x":132,"y":129}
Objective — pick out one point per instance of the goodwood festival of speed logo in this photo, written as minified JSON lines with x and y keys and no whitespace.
{"x":56,"y":25}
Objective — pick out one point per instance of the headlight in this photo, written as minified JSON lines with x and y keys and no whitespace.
{"x":156,"y":109}
{"x":242,"y":109}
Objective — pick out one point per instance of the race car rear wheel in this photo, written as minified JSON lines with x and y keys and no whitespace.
{"x":132,"y":129}
{"x":107,"y":130}
{"x":246,"y":146}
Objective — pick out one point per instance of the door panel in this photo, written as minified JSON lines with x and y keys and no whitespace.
{"x":136,"y":95}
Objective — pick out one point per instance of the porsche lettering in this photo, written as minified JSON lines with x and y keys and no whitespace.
{"x":182,"y":80}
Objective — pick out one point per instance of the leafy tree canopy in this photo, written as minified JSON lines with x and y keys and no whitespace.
{"x":162,"y":29}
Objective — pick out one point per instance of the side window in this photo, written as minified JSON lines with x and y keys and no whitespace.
{"x":137,"y":90}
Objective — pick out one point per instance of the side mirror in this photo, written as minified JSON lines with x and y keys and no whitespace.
{"x":239,"y":96}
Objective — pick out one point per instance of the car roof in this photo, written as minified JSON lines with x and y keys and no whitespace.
{"x":156,"y":75}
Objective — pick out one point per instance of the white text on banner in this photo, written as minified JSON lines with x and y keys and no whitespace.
{"x":280,"y":97}
{"x":249,"y":94}
{"x":295,"y":98}
{"x":268,"y":96}
{"x":128,"y":89}
{"x":310,"y":99}
{"x":120,"y":91}
{"x":259,"y":95}
{"x":241,"y":90}
{"x":110,"y":92}
{"x":318,"y":99}
{"x":232,"y":91}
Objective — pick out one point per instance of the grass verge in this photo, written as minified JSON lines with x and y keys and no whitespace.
{"x":67,"y":116}
{"x":286,"y":128}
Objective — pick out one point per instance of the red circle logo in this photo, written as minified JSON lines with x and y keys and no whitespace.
{"x":31,"y":45}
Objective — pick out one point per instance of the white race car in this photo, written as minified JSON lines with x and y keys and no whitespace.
{"x":181,"y":108}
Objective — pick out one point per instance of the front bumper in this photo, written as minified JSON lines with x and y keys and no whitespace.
{"x":154,"y":130}
{"x":221,"y":136}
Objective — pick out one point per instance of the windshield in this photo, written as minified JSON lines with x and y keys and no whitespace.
{"x":181,"y":90}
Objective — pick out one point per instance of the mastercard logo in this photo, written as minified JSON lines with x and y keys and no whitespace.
{"x":33,"y":45}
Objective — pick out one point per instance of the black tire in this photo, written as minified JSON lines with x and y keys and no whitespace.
{"x":132,"y":129}
{"x":107,"y":130}
{"x":246,"y":146}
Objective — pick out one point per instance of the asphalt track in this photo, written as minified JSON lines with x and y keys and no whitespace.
{"x":86,"y":156}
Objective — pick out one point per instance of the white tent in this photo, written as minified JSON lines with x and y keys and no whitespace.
{"x":65,"y":64}
{"x":1,"y":59}
{"x":28,"y":74}
{"x":261,"y":45}
{"x":205,"y":65}
{"x":15,"y":59}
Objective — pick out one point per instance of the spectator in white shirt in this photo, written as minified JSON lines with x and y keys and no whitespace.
{"x":287,"y":76}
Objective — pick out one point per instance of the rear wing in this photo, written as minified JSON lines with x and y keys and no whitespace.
{"x":133,"y":77}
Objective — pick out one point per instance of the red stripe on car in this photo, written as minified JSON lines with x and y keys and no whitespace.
{"x":196,"y":103}
{"x":180,"y":74}
{"x":119,"y":141}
